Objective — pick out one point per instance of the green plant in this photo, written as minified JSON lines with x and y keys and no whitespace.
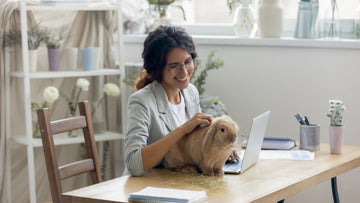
{"x":36,"y":36}
{"x":336,"y":112}
{"x":232,"y":3}
{"x":211,"y":64}
{"x":333,"y":29}
{"x":54,"y":37}
{"x":209,"y":104}
{"x":158,"y":5}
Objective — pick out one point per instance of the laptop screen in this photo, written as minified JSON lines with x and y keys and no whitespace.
{"x":255,"y":140}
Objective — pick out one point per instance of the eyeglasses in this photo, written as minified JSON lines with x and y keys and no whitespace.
{"x":176,"y":68}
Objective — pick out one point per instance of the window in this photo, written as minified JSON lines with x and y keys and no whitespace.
{"x":218,"y":12}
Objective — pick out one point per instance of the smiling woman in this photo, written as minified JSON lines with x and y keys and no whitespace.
{"x":165,"y":106}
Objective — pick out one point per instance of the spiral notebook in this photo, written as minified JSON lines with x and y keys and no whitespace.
{"x":155,"y":194}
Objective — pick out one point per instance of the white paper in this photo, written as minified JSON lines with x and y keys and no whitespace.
{"x":287,"y":154}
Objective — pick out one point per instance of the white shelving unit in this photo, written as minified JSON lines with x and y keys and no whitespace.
{"x":26,"y":76}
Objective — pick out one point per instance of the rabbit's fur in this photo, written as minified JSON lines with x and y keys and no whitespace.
{"x":208,"y":147}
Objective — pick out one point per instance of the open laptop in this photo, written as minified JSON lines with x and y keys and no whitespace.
{"x":253,"y":148}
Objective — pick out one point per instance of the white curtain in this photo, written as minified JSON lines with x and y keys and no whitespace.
{"x":82,"y":32}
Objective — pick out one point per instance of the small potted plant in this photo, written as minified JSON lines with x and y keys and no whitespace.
{"x":209,"y":104}
{"x":53,"y":42}
{"x":336,"y":128}
{"x":36,"y":36}
{"x":158,"y":10}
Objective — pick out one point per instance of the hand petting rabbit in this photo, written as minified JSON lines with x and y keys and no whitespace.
{"x":208,"y":147}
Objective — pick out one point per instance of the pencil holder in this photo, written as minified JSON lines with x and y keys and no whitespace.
{"x":310,"y":137}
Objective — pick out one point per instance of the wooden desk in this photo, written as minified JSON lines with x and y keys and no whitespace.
{"x":267,"y":181}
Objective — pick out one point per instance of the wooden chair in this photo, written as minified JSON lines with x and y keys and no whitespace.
{"x":56,"y":173}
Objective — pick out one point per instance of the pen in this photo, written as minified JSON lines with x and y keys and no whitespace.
{"x":306,"y":120}
{"x":298,"y":117}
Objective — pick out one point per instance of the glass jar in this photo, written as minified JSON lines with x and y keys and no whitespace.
{"x":357,"y":22}
{"x":332,"y":23}
{"x":244,"y":23}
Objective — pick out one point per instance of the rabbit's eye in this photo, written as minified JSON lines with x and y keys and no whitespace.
{"x":222,"y":129}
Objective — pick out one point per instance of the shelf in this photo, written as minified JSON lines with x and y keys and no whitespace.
{"x":228,"y":40}
{"x":61,"y":74}
{"x":77,"y":7}
{"x":64,"y":139}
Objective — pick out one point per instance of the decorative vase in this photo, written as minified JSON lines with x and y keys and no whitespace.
{"x":332,"y":24}
{"x":71,"y":58}
{"x":33,"y":60}
{"x":87,"y":58}
{"x":159,"y":15}
{"x":98,"y":117}
{"x":35,"y":126}
{"x":244,"y":19}
{"x":74,"y":133}
{"x":306,"y":25}
{"x":336,"y":138}
{"x":357,"y":23}
{"x":270,"y":22}
{"x":54,"y":59}
{"x":97,"y":58}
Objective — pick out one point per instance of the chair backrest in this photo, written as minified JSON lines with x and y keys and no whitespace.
{"x":56,"y":173}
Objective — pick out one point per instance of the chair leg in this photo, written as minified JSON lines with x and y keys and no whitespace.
{"x":334,"y":190}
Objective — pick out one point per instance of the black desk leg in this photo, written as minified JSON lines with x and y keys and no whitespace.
{"x":334,"y":190}
{"x":281,"y":201}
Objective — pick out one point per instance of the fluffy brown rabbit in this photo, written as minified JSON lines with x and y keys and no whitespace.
{"x":208,"y":147}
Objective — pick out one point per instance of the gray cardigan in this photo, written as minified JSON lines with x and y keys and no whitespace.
{"x":150,"y":119}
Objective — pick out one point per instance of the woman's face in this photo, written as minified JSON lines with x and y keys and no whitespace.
{"x":178,"y":69}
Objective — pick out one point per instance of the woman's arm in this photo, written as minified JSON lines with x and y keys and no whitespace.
{"x":153,"y":153}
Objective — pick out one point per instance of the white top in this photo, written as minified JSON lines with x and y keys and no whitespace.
{"x":179,"y":112}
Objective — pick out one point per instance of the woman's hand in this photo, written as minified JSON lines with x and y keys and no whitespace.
{"x":234,"y":157}
{"x":198,"y":119}
{"x":153,"y":153}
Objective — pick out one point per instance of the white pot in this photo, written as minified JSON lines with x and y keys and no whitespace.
{"x":270,"y":22}
{"x":33,"y":60}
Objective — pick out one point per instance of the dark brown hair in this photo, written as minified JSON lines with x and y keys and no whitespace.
{"x":157,"y":45}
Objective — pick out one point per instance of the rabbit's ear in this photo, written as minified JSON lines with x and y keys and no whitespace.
{"x":209,"y":138}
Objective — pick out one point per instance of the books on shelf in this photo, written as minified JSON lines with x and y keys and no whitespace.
{"x":155,"y":194}
{"x":281,"y":143}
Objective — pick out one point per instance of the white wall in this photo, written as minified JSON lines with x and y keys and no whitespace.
{"x":287,"y":80}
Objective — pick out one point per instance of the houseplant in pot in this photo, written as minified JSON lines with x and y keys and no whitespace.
{"x":158,"y":12}
{"x":53,"y":42}
{"x":336,"y":128}
{"x":36,"y":36}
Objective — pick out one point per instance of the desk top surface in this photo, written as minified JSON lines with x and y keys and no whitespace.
{"x":266,"y":181}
